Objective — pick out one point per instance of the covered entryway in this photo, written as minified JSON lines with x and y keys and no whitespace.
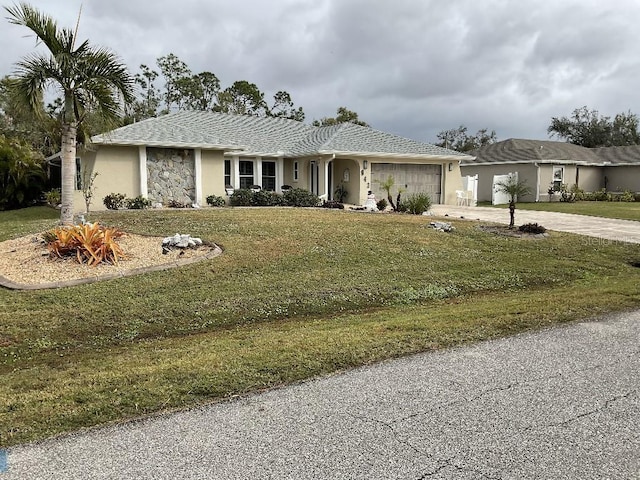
{"x":411,"y":177}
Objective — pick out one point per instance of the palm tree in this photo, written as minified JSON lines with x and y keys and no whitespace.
{"x":90,"y":79}
{"x":514,"y":189}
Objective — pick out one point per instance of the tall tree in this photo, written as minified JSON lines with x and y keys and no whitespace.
{"x":283,"y":107}
{"x":88,"y":78}
{"x":589,"y":129}
{"x":176,"y":74}
{"x":147,"y":104}
{"x":243,"y":98}
{"x":458,"y":139}
{"x":343,"y":115}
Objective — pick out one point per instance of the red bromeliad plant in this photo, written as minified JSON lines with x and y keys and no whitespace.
{"x":91,"y":243}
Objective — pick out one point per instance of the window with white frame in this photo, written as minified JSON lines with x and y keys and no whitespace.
{"x":295,"y":171}
{"x":269,"y":176}
{"x":558,"y":178}
{"x":246,"y":173}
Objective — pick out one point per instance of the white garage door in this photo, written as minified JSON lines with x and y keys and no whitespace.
{"x":413,"y":178}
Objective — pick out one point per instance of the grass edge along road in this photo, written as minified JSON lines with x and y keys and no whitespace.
{"x":78,"y":368}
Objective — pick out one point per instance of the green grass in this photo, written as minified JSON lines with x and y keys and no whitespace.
{"x":297,"y":293}
{"x":620,"y":210}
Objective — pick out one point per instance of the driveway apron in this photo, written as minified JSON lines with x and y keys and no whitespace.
{"x":596,"y":227}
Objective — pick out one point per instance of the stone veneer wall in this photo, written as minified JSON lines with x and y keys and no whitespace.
{"x":171,"y":175}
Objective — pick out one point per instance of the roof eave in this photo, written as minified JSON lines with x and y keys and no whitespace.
{"x":161,"y":144}
{"x":416,"y":156}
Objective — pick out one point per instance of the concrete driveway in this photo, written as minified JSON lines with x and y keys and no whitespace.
{"x":561,"y":403}
{"x":597,"y":227}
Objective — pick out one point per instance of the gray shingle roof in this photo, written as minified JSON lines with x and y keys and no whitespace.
{"x":543,"y":151}
{"x":265,"y":136}
{"x":628,"y":155}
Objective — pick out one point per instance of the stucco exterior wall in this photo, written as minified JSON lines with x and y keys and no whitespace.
{"x":212,"y":164}
{"x":591,"y":179}
{"x":352,"y":185}
{"x":485,"y":174}
{"x":621,"y":178}
{"x":118,"y":172}
{"x":452,"y":182}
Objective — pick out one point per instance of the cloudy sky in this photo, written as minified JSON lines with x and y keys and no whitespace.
{"x":410,"y":67}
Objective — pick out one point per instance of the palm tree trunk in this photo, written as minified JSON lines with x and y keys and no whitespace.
{"x":512,"y":214}
{"x":68,"y":172}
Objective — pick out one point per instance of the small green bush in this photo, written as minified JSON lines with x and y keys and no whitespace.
{"x":382,"y":204}
{"x":265,"y":198}
{"x":176,"y":204}
{"x":138,"y":203}
{"x":241,"y":197}
{"x":532,"y":228}
{"x":333,"y":204}
{"x":216,"y":201}
{"x":627,"y":196}
{"x":53,"y":197}
{"x":298,"y":197}
{"x":416,"y":203}
{"x":599,"y":196}
{"x":114,"y":201}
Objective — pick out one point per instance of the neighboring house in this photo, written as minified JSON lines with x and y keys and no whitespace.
{"x":188,"y":156}
{"x":546,"y":164}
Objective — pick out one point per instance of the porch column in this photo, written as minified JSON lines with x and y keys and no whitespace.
{"x":236,"y":171}
{"x":257,"y":180}
{"x":279,"y":174}
{"x":142,"y":164}
{"x":197,"y":175}
{"x":325,"y":178}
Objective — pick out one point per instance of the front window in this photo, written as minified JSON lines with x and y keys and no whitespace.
{"x":269,"y":176}
{"x":295,"y":171}
{"x":558,"y":178}
{"x":246,"y":174}
{"x":227,"y":173}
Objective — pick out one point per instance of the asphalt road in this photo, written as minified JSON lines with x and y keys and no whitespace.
{"x":561,"y":403}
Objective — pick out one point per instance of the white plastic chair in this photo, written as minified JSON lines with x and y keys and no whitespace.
{"x":462,"y":198}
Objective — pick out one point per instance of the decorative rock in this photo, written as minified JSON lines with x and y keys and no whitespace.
{"x":442,"y":226}
{"x":180,"y":241}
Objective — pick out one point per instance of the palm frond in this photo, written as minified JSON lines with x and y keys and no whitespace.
{"x":43,"y":26}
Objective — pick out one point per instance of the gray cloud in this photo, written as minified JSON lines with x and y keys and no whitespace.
{"x":412,"y":67}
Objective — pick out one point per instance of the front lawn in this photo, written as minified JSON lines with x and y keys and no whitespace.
{"x":621,"y":210}
{"x":297,"y":293}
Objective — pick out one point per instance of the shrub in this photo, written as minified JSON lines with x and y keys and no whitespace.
{"x":22,"y":175}
{"x":333,"y":204}
{"x":599,"y":196}
{"x":532,"y":228}
{"x":138,"y":203}
{"x":341,"y":192}
{"x":627,"y":196}
{"x":241,"y":197}
{"x":382,"y":204}
{"x":90,"y":243}
{"x":114,"y":201}
{"x":53,"y":197}
{"x":265,"y":198}
{"x":416,"y":203}
{"x":176,"y":204}
{"x":216,"y":201}
{"x":298,"y":197}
